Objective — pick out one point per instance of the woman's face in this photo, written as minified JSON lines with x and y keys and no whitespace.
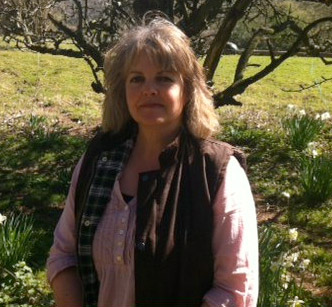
{"x":155,"y":97}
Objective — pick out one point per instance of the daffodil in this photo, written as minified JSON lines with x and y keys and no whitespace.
{"x":285,"y":194}
{"x":314,"y":153}
{"x":304,"y":264}
{"x":293,"y":234}
{"x":296,"y":302}
{"x":325,"y":116}
{"x":2,"y":219}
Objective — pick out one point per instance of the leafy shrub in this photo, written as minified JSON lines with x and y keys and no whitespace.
{"x":302,"y":129}
{"x":316,"y":179}
{"x":23,"y":288}
{"x":16,"y":240}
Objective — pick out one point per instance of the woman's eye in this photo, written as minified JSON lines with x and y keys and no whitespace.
{"x":136,"y":79}
{"x":164,"y":79}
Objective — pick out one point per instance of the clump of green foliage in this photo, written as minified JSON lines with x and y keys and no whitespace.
{"x":281,"y":265}
{"x":316,"y":179}
{"x":16,"y":239}
{"x":302,"y":129}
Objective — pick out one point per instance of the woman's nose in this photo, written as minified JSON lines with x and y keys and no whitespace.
{"x":150,"y":89}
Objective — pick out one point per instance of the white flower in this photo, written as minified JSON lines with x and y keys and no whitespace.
{"x":293,"y":234}
{"x":285,"y":194}
{"x":31,"y":291}
{"x":2,"y":219}
{"x":317,"y":116}
{"x":296,"y":302}
{"x":294,"y":256}
{"x":302,"y":112}
{"x":312,"y":144}
{"x":304,"y":264}
{"x":289,"y":260}
{"x":285,"y":280}
{"x":325,"y":116}
{"x":290,"y":106}
{"x":314,"y":153}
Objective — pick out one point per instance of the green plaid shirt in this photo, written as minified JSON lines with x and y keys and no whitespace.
{"x":108,"y":166}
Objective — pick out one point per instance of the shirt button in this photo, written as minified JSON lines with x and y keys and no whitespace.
{"x":140,"y":246}
{"x":120,"y":243}
{"x":123,"y":220}
{"x":87,"y":223}
{"x":118,"y":258}
{"x":104,"y":159}
{"x":125,"y":207}
{"x":145,"y":177}
{"x":121,"y":232}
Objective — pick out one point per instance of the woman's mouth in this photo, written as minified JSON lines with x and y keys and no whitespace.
{"x":151,"y":105}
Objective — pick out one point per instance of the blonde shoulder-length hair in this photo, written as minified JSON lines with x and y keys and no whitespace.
{"x":170,"y":48}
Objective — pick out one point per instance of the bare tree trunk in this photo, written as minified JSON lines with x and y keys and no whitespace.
{"x":197,"y":19}
{"x":223,"y":35}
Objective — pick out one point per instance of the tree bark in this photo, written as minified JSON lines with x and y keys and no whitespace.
{"x":198,"y":18}
{"x":223,"y":35}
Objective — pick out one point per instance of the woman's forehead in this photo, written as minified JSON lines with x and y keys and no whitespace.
{"x":161,"y":60}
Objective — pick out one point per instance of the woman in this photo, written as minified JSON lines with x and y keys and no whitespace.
{"x":158,"y":213}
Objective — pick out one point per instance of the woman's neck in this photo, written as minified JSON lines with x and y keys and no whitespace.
{"x":151,"y":142}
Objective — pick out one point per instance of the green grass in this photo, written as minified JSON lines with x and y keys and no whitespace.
{"x":48,"y":111}
{"x":53,"y":85}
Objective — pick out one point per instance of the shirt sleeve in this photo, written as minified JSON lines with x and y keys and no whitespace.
{"x":235,"y":243}
{"x":63,"y":251}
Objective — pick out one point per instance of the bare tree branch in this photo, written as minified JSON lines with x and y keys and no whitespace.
{"x":79,"y":40}
{"x":239,"y":86}
{"x":303,"y":88}
{"x":246,"y":54}
{"x":326,"y":62}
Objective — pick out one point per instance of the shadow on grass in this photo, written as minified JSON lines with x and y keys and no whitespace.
{"x":35,"y":173}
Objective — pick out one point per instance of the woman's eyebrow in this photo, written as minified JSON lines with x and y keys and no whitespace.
{"x":158,"y":73}
{"x":165,"y":71}
{"x":135,"y":72}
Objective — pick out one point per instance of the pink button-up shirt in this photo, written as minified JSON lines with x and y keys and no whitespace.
{"x":235,"y":245}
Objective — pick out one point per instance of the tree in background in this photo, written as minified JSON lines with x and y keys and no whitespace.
{"x":86,"y":28}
